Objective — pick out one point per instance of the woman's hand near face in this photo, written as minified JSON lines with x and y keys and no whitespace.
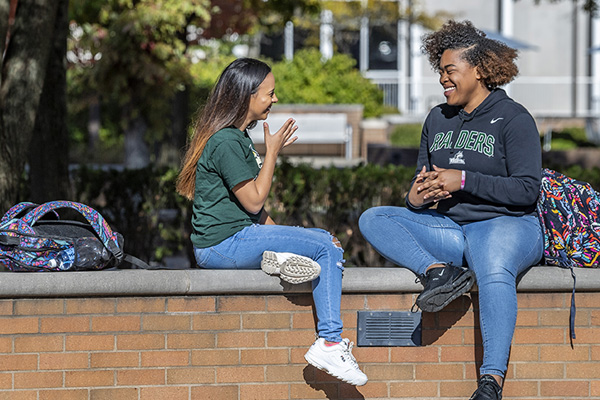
{"x":253,"y":193}
{"x":280,"y":139}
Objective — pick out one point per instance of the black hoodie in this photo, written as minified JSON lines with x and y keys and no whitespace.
{"x":498,"y":145}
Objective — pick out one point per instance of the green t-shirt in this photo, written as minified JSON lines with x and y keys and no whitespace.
{"x":228,"y":158}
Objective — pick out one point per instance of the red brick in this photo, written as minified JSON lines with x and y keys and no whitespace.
{"x":561,"y":318}
{"x":161,"y":322}
{"x":19,"y":395}
{"x":457,"y":353}
{"x":540,"y":335}
{"x":587,"y":335}
{"x":527,"y":318}
{"x":193,"y":376}
{"x":21,"y":362}
{"x":5,"y":381}
{"x":135,"y":377}
{"x":354,"y":302}
{"x":162,"y":393}
{"x":304,"y":320}
{"x":401,"y":302}
{"x":266,"y":321}
{"x":215,"y":322}
{"x":264,"y":392}
{"x":191,"y":304}
{"x":165,"y":358}
{"x":12,"y":325}
{"x":289,"y":373}
{"x":190,"y":340}
{"x":64,"y":324}
{"x":116,"y":324}
{"x":38,"y":344}
{"x":39,"y":307}
{"x":116,"y":393}
{"x":6,"y":307}
{"x":462,"y":389}
{"x":141,"y":305}
{"x":140,"y":341}
{"x":6,"y":345}
{"x":539,"y":370}
{"x":452,"y":319}
{"x":524,"y":353}
{"x":265,"y":356}
{"x":371,"y":390}
{"x":372,"y":354}
{"x":564,"y":353}
{"x":63,"y":361}
{"x":214,"y":392}
{"x":240,"y":374}
{"x":293,"y":303}
{"x":89,"y":378}
{"x":582,"y":371}
{"x":240,"y":339}
{"x":119,"y":359}
{"x":314,"y":391}
{"x":520,"y":388}
{"x":411,"y":390}
{"x":414,"y":354}
{"x":241,"y":303}
{"x":389,"y":372}
{"x":89,"y":342}
{"x":34,"y":380}
{"x":290,"y":338}
{"x":542,"y":300}
{"x":436,"y":372}
{"x":90,"y":306}
{"x":215,"y":357}
{"x":69,"y":394}
{"x":564,"y":388}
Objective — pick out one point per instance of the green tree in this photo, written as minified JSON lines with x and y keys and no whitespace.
{"x":30,"y":32}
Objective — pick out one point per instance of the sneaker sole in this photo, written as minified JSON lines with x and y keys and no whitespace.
{"x":439,"y":298}
{"x":295,"y":269}
{"x":315,"y":364}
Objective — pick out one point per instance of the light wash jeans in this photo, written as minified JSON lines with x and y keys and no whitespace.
{"x":244,"y":251}
{"x":497,"y":250}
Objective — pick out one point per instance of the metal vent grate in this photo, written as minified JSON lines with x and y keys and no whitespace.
{"x":389,"y":328}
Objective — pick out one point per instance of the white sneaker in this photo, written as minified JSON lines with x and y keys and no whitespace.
{"x":290,"y":267}
{"x":336,"y":360}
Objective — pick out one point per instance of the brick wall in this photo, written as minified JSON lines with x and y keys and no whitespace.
{"x":252,"y":347}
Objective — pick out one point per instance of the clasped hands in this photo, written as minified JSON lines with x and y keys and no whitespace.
{"x":436,"y":185}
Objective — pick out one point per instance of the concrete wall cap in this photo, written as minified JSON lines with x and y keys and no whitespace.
{"x":213,"y":282}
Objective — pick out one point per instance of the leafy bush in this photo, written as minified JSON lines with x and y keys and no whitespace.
{"x":406,"y":135}
{"x":570,"y":138}
{"x":309,"y":79}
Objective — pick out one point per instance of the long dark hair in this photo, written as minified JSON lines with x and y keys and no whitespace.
{"x":227,"y":104}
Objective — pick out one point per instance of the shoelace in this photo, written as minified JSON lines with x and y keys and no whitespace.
{"x":487,"y":387}
{"x":347,"y":350}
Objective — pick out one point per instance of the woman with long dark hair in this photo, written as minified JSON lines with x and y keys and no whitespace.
{"x":228,"y":182}
{"x":479,"y":164}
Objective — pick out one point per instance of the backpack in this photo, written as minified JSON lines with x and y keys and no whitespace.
{"x":34,"y":238}
{"x":568,"y":210}
{"x":569,"y":213}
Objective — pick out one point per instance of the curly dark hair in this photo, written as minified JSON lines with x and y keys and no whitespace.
{"x":494,"y":60}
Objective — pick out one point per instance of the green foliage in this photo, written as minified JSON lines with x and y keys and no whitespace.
{"x":406,"y":135}
{"x":309,"y":79}
{"x":135,"y":202}
{"x":570,"y":138}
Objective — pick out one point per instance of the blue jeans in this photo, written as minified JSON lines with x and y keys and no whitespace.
{"x":497,"y":250}
{"x":244,"y":251}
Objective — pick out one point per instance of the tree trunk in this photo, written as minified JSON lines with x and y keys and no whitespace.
{"x":49,"y":151}
{"x":172,"y":148}
{"x":23,"y":72}
{"x":137,"y":154}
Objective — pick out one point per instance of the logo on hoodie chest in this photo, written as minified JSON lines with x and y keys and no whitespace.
{"x":479,"y":142}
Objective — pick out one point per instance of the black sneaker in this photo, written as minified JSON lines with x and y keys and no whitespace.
{"x":442,"y":285}
{"x":488,"y":389}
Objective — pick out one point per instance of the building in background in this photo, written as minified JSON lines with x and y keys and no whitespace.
{"x":558,"y":42}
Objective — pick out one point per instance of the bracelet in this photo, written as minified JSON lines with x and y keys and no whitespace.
{"x":462,"y":179}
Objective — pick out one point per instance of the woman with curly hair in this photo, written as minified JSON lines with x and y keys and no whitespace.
{"x":470,"y":213}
